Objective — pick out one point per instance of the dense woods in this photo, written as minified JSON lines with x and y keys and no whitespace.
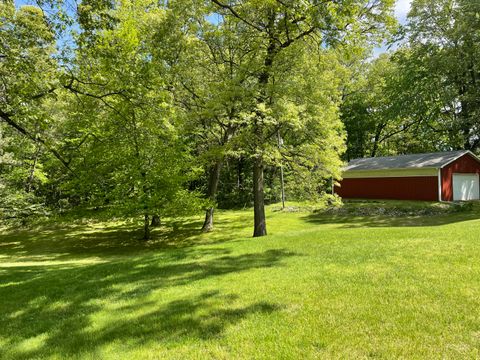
{"x":155,"y":109}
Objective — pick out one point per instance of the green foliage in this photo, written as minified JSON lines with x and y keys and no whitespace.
{"x":154,"y":95}
{"x":382,"y":112}
{"x":444,"y":40}
{"x":29,"y":75}
{"x":424,"y":96}
{"x":133,"y":152}
{"x":27,"y":67}
{"x":18,"y":206}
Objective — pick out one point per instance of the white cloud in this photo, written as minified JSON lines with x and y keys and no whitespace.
{"x":402,"y":7}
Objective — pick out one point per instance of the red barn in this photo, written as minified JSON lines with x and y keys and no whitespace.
{"x":444,"y":176}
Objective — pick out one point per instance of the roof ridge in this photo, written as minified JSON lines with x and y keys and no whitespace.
{"x":435,"y":160}
{"x":418,"y":154}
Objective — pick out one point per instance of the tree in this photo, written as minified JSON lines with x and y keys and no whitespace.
{"x":374,"y":111}
{"x":133,"y":158}
{"x":441,"y":62}
{"x":211,"y":90}
{"x":29,"y":72}
{"x":423,"y":97}
{"x":29,"y":75}
{"x":151,"y":88}
{"x":271,"y":29}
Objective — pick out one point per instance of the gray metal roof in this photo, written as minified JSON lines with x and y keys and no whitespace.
{"x":430,"y":160}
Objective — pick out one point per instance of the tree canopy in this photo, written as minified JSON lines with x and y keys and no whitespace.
{"x":163,"y":109}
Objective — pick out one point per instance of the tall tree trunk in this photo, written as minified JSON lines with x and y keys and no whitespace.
{"x":240,"y":174}
{"x":376,"y":141}
{"x":260,"y":226}
{"x":282,"y":183}
{"x":146,"y":232}
{"x":213,"y":181}
{"x":208,"y":223}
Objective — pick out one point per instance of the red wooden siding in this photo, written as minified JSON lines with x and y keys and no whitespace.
{"x":465,"y":164}
{"x":398,"y":188}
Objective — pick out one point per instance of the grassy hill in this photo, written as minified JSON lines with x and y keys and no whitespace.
{"x":389,"y":280}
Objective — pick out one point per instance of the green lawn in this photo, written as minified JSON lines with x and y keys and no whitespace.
{"x":319,"y":286}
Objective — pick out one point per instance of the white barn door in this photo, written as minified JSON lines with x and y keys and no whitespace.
{"x":465,"y":187}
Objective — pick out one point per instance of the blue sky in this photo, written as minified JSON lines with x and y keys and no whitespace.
{"x":401,"y":10}
{"x":21,"y":2}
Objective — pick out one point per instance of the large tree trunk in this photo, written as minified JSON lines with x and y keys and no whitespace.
{"x":213,"y":181}
{"x":208,"y":223}
{"x":146,"y":232}
{"x":260,"y":226}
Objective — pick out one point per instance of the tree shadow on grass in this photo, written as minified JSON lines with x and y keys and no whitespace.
{"x":67,"y":241}
{"x":353,"y":221}
{"x":199,"y":318}
{"x":48,"y":311}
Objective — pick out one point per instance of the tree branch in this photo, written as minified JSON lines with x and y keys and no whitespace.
{"x":7,"y":119}
{"x":237,"y":15}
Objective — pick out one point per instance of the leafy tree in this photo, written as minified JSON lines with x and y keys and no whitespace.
{"x":29,"y":75}
{"x":374,"y":111}
{"x":441,"y":64}
{"x":211,"y":90}
{"x":278,"y":33}
{"x":29,"y":72}
{"x":424,"y":96}
{"x":21,"y":176}
{"x":155,"y":93}
{"x":133,"y":155}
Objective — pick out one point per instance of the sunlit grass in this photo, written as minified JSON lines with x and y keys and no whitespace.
{"x":319,"y":286}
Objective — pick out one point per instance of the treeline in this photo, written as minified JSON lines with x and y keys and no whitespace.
{"x":169,"y":108}
{"x":425,"y":95}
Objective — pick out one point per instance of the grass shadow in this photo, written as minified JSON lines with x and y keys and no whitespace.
{"x":48,"y":310}
{"x":63,"y":241}
{"x":369,"y":221}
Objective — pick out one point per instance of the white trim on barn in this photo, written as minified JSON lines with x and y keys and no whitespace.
{"x":439,"y":184}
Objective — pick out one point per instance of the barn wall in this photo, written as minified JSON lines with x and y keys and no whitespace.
{"x":397,"y":188}
{"x":357,"y":174}
{"x":466,"y":164}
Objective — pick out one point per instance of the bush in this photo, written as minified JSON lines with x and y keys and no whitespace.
{"x":20,"y":206}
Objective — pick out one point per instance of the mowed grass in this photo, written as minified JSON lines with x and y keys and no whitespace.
{"x":319,"y":286}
